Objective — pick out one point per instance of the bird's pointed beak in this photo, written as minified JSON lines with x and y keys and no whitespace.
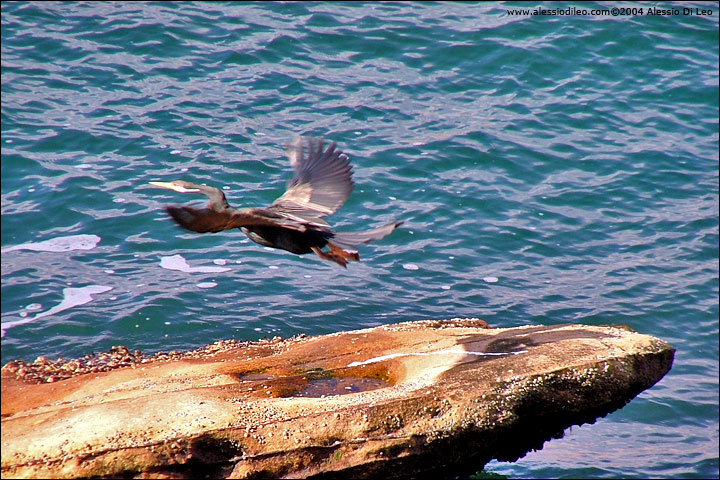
{"x":173,"y":186}
{"x":163,"y":185}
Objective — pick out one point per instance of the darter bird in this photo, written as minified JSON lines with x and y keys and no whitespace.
{"x":321,"y":184}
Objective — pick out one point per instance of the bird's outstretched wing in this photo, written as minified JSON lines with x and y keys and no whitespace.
{"x":321,"y":184}
{"x":203,"y":220}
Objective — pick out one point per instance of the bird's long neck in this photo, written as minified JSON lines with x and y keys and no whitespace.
{"x":218,"y":202}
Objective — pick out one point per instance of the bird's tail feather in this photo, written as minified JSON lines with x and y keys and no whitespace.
{"x":350,"y":240}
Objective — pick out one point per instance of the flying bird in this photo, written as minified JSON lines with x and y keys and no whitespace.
{"x":321,"y":184}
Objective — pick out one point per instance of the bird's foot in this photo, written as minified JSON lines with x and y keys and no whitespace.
{"x":337,"y":255}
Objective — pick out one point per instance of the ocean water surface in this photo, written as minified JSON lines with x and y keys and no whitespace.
{"x":549,"y":169}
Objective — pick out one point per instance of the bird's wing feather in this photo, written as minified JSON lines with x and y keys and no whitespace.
{"x":203,"y":220}
{"x":321,"y":184}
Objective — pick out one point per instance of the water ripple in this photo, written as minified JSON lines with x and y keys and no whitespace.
{"x":548,"y":170}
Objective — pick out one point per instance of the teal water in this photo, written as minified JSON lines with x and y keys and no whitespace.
{"x":548,"y":169}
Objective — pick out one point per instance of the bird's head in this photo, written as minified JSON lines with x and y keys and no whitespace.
{"x":216,"y":196}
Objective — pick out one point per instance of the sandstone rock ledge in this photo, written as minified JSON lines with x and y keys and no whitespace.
{"x":396,"y":401}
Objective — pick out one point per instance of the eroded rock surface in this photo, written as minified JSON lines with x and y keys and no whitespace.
{"x":394,"y":401}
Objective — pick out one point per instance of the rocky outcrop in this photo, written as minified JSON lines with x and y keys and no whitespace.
{"x":395,"y":401}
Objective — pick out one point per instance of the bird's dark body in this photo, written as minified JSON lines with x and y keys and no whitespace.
{"x":299,"y":243}
{"x":294,"y":222}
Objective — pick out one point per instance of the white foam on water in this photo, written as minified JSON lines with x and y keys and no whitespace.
{"x":490,"y":279}
{"x":177,"y":262}
{"x":72,"y":297}
{"x":59,"y":244}
{"x":410,"y":266}
{"x":206,"y":285}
